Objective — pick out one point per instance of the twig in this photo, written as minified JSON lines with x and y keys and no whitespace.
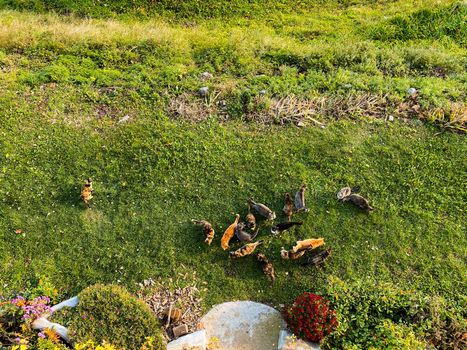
{"x":168,"y":318}
{"x":185,"y":313}
{"x":314,"y":121}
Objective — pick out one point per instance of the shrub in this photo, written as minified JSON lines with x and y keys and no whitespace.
{"x":108,"y":313}
{"x":420,"y":59}
{"x":390,"y":335}
{"x":362,"y":307}
{"x":310,"y":317}
{"x":47,"y":344}
{"x":382,"y":316}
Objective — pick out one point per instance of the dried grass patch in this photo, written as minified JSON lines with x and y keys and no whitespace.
{"x":317,"y":111}
{"x":183,"y":292}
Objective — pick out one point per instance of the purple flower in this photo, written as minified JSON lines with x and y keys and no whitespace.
{"x":34,"y":308}
{"x":41,"y":335}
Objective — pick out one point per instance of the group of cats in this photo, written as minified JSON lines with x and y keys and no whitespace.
{"x":240,"y":229}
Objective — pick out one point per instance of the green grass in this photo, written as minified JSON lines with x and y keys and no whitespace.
{"x":179,"y":10}
{"x":132,"y":66}
{"x":148,"y":176}
{"x":66,"y":81}
{"x":152,"y":178}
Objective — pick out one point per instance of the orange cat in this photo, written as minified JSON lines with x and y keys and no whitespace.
{"x":228,"y":234}
{"x":86,"y":192}
{"x":308,"y":244}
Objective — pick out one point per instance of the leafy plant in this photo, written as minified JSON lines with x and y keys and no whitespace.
{"x":383,"y":316}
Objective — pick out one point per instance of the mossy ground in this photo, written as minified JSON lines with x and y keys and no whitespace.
{"x":65,"y":83}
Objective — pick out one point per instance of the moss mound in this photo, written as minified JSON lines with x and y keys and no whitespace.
{"x":110,"y":313}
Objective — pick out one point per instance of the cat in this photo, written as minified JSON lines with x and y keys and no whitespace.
{"x":228,"y":234}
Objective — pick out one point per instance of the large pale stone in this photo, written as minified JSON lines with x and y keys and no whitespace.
{"x":288,"y":342}
{"x":193,"y":341}
{"x":243,"y":325}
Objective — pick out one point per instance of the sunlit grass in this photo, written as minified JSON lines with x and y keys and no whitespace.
{"x":66,"y":82}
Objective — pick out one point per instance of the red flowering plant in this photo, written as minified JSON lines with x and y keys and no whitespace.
{"x":310,"y":317}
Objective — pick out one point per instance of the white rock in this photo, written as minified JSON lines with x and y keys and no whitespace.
{"x":391,"y":118}
{"x":193,"y":341}
{"x":72,"y":302}
{"x":203,"y":91}
{"x":206,"y":76}
{"x":287,"y":341}
{"x":124,"y":119}
{"x":411,"y":91}
{"x":43,"y":323}
{"x":244,"y":325}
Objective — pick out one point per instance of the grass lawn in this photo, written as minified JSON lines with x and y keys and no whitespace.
{"x":151,"y":179}
{"x":66,"y":82}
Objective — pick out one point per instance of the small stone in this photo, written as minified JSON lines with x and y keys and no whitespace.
{"x":262,"y":92}
{"x":196,"y":340}
{"x":391,"y":118}
{"x":180,"y":330}
{"x":206,"y":76}
{"x":412,"y":91}
{"x":124,"y":119}
{"x":300,"y":124}
{"x":203,"y":92}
